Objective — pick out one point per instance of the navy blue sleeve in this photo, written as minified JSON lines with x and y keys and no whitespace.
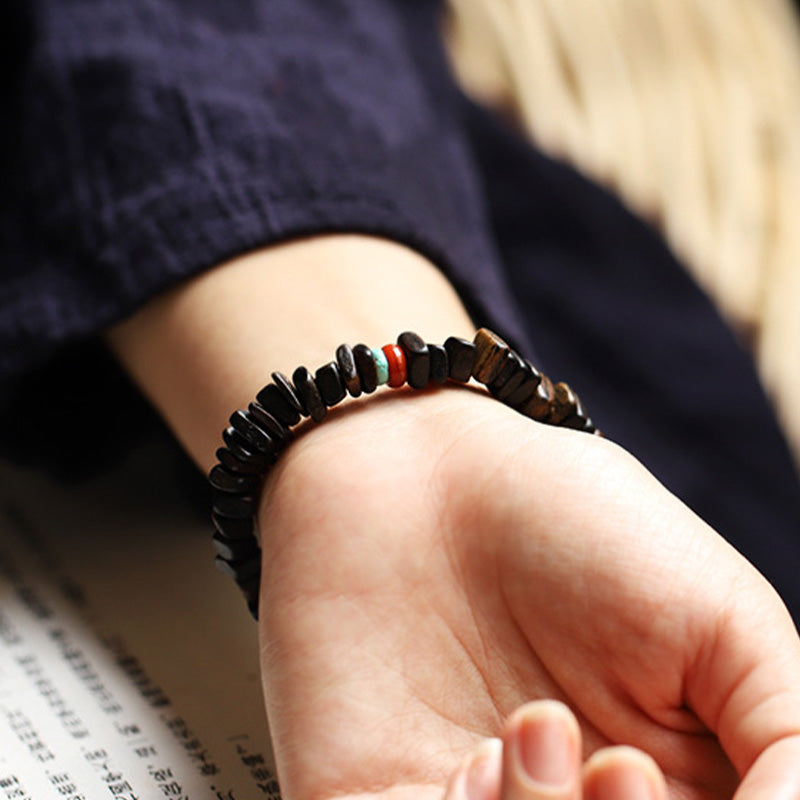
{"x":150,"y":139}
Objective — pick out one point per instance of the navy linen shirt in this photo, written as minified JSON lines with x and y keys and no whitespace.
{"x":146,"y":140}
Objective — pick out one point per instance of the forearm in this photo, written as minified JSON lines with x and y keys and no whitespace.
{"x":206,"y":347}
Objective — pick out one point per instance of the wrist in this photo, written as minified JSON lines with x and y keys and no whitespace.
{"x":209,"y":345}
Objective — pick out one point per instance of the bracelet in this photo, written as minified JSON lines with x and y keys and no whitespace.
{"x":256,"y":436}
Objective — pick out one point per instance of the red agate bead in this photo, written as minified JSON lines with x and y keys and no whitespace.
{"x":397,"y":364}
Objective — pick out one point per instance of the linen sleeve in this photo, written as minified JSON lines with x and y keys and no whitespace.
{"x":150,"y":139}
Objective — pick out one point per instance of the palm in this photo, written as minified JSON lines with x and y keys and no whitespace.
{"x":417,"y":596}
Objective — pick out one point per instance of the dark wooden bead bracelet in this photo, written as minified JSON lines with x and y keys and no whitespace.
{"x":257,"y":436}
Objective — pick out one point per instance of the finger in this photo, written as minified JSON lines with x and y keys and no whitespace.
{"x":622,"y":773}
{"x":775,"y":774}
{"x":478,"y":777}
{"x":747,"y":690}
{"x":541,"y":753}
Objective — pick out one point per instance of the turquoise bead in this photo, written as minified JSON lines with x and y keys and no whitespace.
{"x":382,"y":366}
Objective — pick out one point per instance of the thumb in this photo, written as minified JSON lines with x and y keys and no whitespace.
{"x":745,"y":686}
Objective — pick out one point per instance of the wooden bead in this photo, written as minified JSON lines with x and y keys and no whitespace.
{"x":244,"y":451}
{"x":538,"y":406}
{"x":234,"y":528}
{"x":259,"y":439}
{"x":439,"y":365}
{"x":513,"y":383}
{"x":418,"y":359}
{"x":490,"y":356}
{"x":565,"y":403}
{"x":237,"y":506}
{"x":308,"y":394}
{"x":330,"y":384}
{"x":250,"y":590}
{"x":261,"y":417}
{"x":396,"y":364}
{"x":277,"y":402}
{"x":528,"y":386}
{"x":460,"y":358}
{"x":227,"y":481}
{"x":235,"y":464}
{"x":347,"y":369}
{"x":365,"y":365}
{"x":510,"y":364}
{"x":234,"y":549}
{"x":240,"y":570}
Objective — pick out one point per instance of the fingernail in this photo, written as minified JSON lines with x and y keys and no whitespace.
{"x":546,"y":746}
{"x":621,"y":774}
{"x":483,"y":773}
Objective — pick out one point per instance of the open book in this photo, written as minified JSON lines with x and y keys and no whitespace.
{"x":128,"y":664}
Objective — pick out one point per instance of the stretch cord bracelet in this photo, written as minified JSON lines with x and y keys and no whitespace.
{"x":258,"y":435}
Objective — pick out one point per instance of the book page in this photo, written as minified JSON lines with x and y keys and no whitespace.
{"x":128,"y":663}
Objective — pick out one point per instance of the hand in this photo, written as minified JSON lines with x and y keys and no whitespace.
{"x":432,"y":563}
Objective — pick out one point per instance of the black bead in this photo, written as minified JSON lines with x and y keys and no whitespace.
{"x":527,"y":388}
{"x":511,"y":364}
{"x":418,"y":359}
{"x":309,"y":395}
{"x":330,"y":384}
{"x":226,"y":481}
{"x":245,"y":451}
{"x":233,"y":527}
{"x":237,"y":506}
{"x":250,"y":589}
{"x":258,"y":439}
{"x":280,"y":434}
{"x":234,"y":464}
{"x":347,"y":369}
{"x":460,"y":358}
{"x":367,"y":371}
{"x":240,"y":571}
{"x":438,"y":363}
{"x":274,"y":401}
{"x":234,"y":549}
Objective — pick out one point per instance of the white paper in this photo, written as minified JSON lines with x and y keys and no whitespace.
{"x":128,"y":664}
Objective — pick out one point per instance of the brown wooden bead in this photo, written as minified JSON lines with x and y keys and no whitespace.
{"x":280,"y":404}
{"x":528,"y":386}
{"x":439,"y":365}
{"x":564,"y":405}
{"x":418,"y":359}
{"x":509,"y":367}
{"x":511,"y":385}
{"x":367,"y":371}
{"x":538,"y":405}
{"x":490,"y":356}
{"x":308,"y":394}
{"x":460,"y":359}
{"x":330,"y":384}
{"x":347,"y":369}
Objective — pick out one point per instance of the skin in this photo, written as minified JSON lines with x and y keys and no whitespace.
{"x":434,"y":563}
